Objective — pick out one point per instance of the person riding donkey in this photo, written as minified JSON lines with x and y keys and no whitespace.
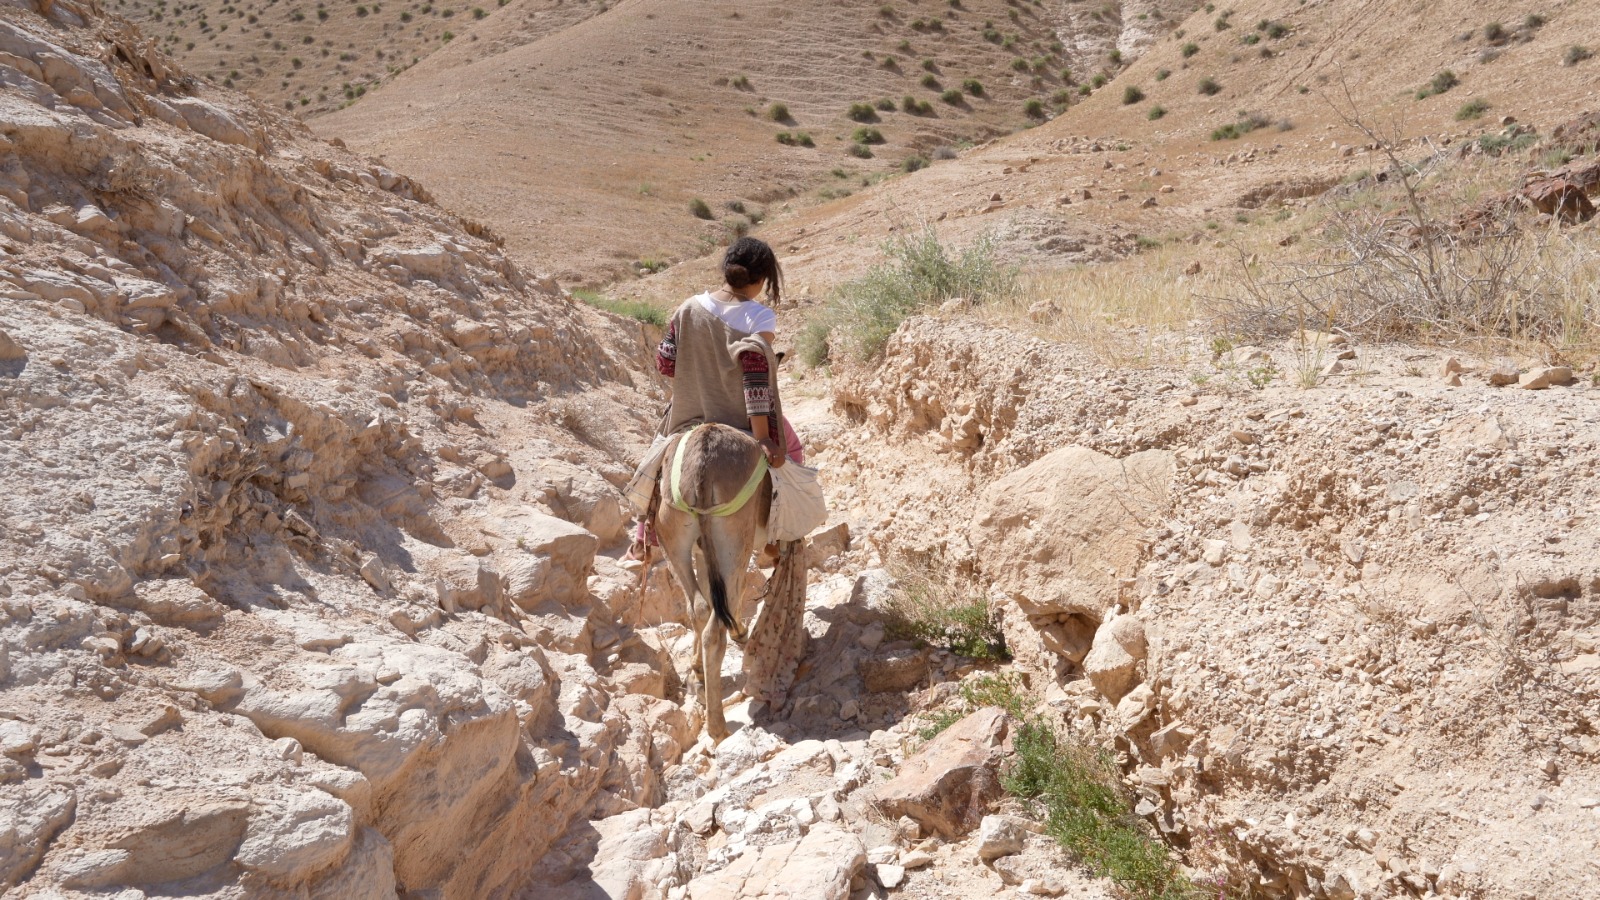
{"x":725,"y":473}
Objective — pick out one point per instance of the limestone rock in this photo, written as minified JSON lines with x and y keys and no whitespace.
{"x":1545,"y":376}
{"x":896,"y":670}
{"x":10,"y":350}
{"x":1058,"y":536}
{"x":1001,"y":836}
{"x":1112,"y":665}
{"x":951,"y":782}
{"x":820,"y":865}
{"x":551,"y":562}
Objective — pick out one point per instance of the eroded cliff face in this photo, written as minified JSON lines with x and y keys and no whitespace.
{"x":304,"y":484}
{"x":1343,"y":640}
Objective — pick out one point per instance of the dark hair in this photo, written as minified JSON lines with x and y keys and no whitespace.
{"x":750,"y":260}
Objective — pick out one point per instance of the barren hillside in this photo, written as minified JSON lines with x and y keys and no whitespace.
{"x":587,"y":147}
{"x":314,"y":57}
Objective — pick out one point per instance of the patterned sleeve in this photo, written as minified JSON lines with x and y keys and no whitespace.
{"x":667,"y":352}
{"x":757,"y":383}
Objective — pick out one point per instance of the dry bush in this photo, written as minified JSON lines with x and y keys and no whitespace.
{"x":1414,"y":271}
{"x":1132,"y":314}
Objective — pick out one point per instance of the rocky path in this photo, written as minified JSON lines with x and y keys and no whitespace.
{"x":840,"y":792}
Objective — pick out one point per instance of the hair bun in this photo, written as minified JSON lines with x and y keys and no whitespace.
{"x":738,"y":276}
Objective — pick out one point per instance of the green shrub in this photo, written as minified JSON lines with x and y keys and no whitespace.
{"x":1501,"y":144}
{"x":1033,"y":108}
{"x":1061,"y":98}
{"x":797,"y":139}
{"x":916,"y":107}
{"x":859,"y":151}
{"x":862,"y":112}
{"x":479,"y":12}
{"x":633,"y":309}
{"x":1440,"y":83}
{"x":1098,"y":80}
{"x":866,"y":135}
{"x":883,"y":104}
{"x":1494,"y":32}
{"x":1116,"y":57}
{"x":1163,"y":74}
{"x":1575,"y":54}
{"x":917,"y":272}
{"x":1246,"y":124}
{"x":1156,"y":112}
{"x":914,"y":162}
{"x":699,"y":209}
{"x":1088,"y":815}
{"x":1019,"y":65}
{"x":929,"y":65}
{"x":1534,"y":20}
{"x":811,"y":343}
{"x":1472,"y":109}
{"x":904,"y":47}
{"x":932,"y":612}
{"x":1208,"y":86}
{"x":1190,"y":49}
{"x":930,"y":82}
{"x":1251,"y":38}
{"x":952,"y":96}
{"x":1276,"y":30}
{"x":778,"y":112}
{"x":1131,"y":95}
{"x":742,"y":82}
{"x":973,"y":86}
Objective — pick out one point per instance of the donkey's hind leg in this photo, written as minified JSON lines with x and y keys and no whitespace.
{"x":679,"y":533}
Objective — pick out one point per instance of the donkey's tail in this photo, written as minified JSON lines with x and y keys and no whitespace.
{"x":719,"y":589}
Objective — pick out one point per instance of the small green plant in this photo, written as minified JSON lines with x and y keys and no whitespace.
{"x":913,"y":163}
{"x":862,"y":112}
{"x":1472,"y":109}
{"x":795,"y":139}
{"x":916,"y":107}
{"x":935,"y":613}
{"x":1439,"y":84}
{"x":929,"y":65}
{"x":917,"y":272}
{"x":1098,"y":81}
{"x":1209,"y":86}
{"x":1131,"y":95}
{"x":1501,"y":144}
{"x":699,"y":209}
{"x":938,"y":721}
{"x":778,"y":112}
{"x":1494,"y":33}
{"x":1088,"y":815}
{"x":479,"y":12}
{"x":1533,"y":20}
{"x":811,"y":343}
{"x":1033,"y":108}
{"x":952,"y":96}
{"x":1575,"y":54}
{"x":1163,"y":74}
{"x":1247,"y":123}
{"x":1274,"y":30}
{"x":1189,"y":49}
{"x":633,"y":309}
{"x":1019,"y":65}
{"x":1156,"y":112}
{"x":930,"y":81}
{"x":973,"y":86}
{"x":1250,"y":39}
{"x":883,"y":104}
{"x":741,"y":82}
{"x":866,"y":135}
{"x":859,"y":151}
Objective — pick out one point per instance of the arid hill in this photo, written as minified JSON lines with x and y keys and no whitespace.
{"x":587,"y":147}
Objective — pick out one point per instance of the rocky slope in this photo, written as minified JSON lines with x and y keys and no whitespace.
{"x":304,"y":483}
{"x":1344,"y":640}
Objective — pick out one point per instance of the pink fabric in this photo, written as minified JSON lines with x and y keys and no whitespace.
{"x":795,"y":450}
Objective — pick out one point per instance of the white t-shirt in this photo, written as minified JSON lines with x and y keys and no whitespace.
{"x":746,"y":317}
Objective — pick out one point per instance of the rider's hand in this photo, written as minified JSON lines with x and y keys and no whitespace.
{"x":775,"y":454}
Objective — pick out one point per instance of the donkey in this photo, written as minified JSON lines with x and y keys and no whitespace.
{"x":716,"y":495}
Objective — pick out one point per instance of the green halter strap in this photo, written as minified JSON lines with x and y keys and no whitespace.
{"x":726,"y":509}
